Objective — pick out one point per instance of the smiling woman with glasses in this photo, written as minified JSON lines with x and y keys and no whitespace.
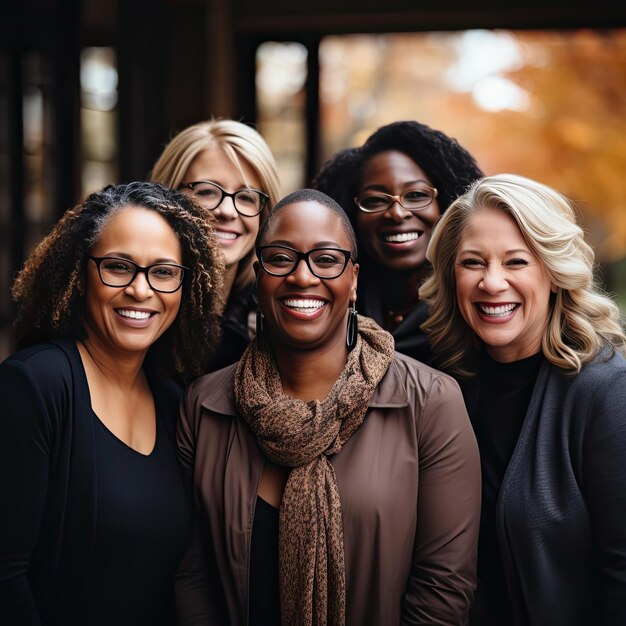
{"x":163,"y":277}
{"x":337,"y":482}
{"x":322,"y":262}
{"x":230,"y":171}
{"x":118,"y":301}
{"x":394,"y":188}
{"x":247,"y":202}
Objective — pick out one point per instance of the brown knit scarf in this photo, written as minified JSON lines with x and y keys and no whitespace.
{"x":302,"y":435}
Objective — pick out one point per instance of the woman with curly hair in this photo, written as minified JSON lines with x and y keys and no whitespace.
{"x":229,"y":169}
{"x":515,"y":315}
{"x":394,"y":188}
{"x":122,"y":295}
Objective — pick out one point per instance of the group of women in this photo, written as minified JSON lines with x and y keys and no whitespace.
{"x":320,"y":471}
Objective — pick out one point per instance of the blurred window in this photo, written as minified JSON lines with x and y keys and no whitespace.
{"x":98,"y":118}
{"x":549,"y":105}
{"x":281,"y":76}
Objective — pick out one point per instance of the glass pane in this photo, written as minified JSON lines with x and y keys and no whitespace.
{"x":281,"y":101}
{"x":98,"y":118}
{"x":37,"y":112}
{"x":546,"y":104}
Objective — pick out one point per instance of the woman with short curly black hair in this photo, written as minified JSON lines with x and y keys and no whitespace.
{"x":121,"y":296}
{"x":394,"y":188}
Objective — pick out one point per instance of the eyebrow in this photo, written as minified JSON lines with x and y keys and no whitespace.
{"x":507,"y":252}
{"x":378,"y":187}
{"x":124,"y":255}
{"x":318,"y":244}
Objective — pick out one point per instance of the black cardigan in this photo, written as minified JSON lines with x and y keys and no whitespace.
{"x":561,"y":512}
{"x":47,"y":475}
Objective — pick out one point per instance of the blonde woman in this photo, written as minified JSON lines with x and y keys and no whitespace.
{"x":515,"y":314}
{"x":230,"y":170}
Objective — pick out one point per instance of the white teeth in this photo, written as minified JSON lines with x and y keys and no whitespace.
{"x":497,"y":311}
{"x":135,"y":315}
{"x":402,"y":237}
{"x":294,"y":303}
{"x":222,"y":235}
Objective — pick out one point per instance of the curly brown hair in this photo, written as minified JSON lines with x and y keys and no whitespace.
{"x":49,"y":289}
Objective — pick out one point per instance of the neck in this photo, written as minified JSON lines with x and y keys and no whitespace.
{"x":310,"y":375}
{"x":123,"y":370}
{"x":229,"y":280}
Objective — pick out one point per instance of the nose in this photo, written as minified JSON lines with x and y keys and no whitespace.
{"x":397,"y":212}
{"x":139,"y":289}
{"x":226,"y":210}
{"x":302,"y":275}
{"x":494,"y":280}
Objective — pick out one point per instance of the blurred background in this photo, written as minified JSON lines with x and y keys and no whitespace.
{"x":91,"y":90}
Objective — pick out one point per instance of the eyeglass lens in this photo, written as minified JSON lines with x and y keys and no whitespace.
{"x":323,"y":262}
{"x":248,"y":202}
{"x":412,"y":200}
{"x":121,"y":273}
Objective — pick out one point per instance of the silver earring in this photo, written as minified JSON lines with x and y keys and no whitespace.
{"x":352,"y":330}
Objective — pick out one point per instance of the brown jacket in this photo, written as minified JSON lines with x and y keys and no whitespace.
{"x":409,"y":481}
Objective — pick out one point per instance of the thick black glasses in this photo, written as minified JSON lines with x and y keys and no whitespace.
{"x":322,"y":262}
{"x":248,"y":202}
{"x":411,"y":200}
{"x":115,"y":272}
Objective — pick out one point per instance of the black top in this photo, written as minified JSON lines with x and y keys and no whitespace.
{"x":408,"y":336}
{"x":501,"y":407}
{"x":264,"y":589}
{"x":68,"y":509}
{"x":142,"y":525}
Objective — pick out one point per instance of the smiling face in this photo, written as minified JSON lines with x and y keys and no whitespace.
{"x":235,"y":233}
{"x":130,"y":319}
{"x":396,"y":238}
{"x":301,"y":311}
{"x":502,"y":288}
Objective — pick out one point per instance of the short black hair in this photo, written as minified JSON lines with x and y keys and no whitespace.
{"x":311,"y":195}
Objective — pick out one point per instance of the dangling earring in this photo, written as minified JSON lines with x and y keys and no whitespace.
{"x":352,"y":331}
{"x":260,"y":323}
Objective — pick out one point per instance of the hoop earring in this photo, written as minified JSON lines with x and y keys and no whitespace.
{"x":260,"y":323}
{"x":352,"y":331}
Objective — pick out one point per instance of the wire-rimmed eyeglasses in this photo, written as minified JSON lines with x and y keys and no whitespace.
{"x":322,"y":262}
{"x":247,"y":202}
{"x":116,"y":272}
{"x":411,"y":200}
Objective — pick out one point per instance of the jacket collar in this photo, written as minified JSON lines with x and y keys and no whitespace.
{"x":219,"y":397}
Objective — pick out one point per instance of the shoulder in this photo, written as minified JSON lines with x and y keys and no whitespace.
{"x":213,"y":391}
{"x":48,"y":365}
{"x":596,"y":396}
{"x":414,"y":381}
{"x":421,"y":374}
{"x":606,"y":370}
{"x":39,"y":381}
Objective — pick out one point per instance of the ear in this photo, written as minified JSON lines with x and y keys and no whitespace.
{"x":355,"y":281}
{"x":553,"y":288}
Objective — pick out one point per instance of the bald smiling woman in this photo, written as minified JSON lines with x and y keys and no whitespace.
{"x":337,"y":482}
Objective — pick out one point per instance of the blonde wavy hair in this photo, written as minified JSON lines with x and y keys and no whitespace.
{"x":240,"y":143}
{"x":582,"y":320}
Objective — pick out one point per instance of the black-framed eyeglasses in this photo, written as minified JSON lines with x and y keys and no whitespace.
{"x":322,"y":262}
{"x":411,"y":200}
{"x":248,"y":202}
{"x":116,"y":272}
